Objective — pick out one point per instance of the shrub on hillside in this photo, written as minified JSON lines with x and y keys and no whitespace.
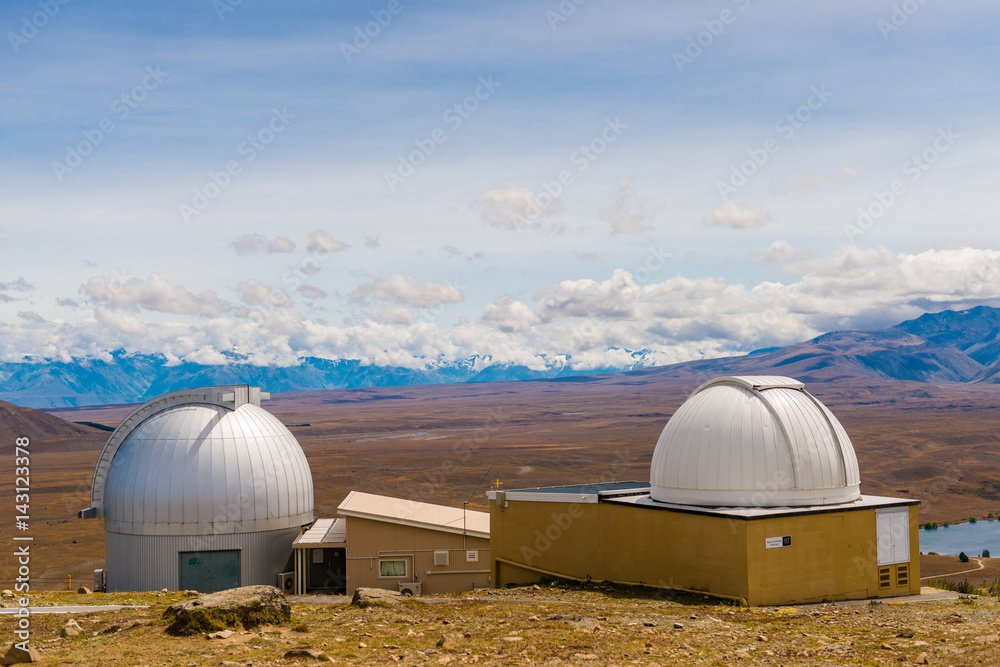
{"x":963,"y":558}
{"x":960,"y":587}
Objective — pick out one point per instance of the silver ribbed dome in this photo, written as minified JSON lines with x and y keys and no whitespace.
{"x":754,"y":442}
{"x":200,"y":469}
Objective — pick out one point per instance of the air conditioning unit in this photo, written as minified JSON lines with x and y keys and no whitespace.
{"x":98,"y":580}
{"x":286,"y":582}
{"x":409,"y":588}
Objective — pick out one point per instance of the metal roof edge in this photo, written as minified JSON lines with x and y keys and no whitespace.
{"x":758,"y":513}
{"x":415,"y":524}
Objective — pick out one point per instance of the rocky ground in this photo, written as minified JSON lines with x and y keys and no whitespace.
{"x":550,"y":625}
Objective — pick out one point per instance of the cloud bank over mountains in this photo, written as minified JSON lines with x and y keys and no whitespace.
{"x":405,"y":321}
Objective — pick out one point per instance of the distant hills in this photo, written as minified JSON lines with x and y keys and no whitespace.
{"x":17,"y":422}
{"x":944,"y":347}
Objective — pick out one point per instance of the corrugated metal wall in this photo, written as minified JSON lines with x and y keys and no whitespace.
{"x":150,"y":562}
{"x":369,"y":540}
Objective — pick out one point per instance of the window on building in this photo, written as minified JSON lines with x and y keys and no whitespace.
{"x":392,"y":568}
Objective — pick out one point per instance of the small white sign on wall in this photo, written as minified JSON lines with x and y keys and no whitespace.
{"x":775,"y":542}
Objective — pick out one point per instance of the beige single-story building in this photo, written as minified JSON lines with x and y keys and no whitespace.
{"x":754,"y":495}
{"x":402,"y":545}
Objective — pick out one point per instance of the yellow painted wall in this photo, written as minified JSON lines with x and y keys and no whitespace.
{"x":369,"y":540}
{"x":832,"y":555}
{"x":601,"y":541}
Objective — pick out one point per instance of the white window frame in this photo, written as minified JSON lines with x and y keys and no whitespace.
{"x":406,"y":568}
{"x":892,"y":536}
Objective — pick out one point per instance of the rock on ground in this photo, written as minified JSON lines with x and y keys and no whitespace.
{"x":250,"y":606}
{"x":71,"y":629}
{"x":364,"y":597}
{"x":16,"y":656}
{"x":306,"y":653}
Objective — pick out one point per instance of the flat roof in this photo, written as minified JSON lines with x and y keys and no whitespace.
{"x":323,"y":531}
{"x":750,"y":513}
{"x":574,"y":493}
{"x":417,"y":514}
{"x":637,"y":494}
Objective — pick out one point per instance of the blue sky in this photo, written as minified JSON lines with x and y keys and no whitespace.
{"x":196,"y":177}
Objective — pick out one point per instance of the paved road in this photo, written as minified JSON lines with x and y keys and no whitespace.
{"x":75,"y":609}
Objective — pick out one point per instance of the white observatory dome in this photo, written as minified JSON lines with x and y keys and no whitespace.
{"x":200,"y":489}
{"x":202,"y":469}
{"x":754,"y":442}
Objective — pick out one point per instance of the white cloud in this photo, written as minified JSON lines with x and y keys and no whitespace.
{"x":155,"y":293}
{"x":320,"y":241}
{"x":398,"y":315}
{"x":509,"y":315}
{"x":847,"y":174}
{"x":311,"y":292}
{"x":782,"y":251}
{"x":281,"y":244}
{"x":249,"y":243}
{"x":254,"y":293}
{"x":731,"y":214}
{"x":408,"y":291}
{"x":588,"y":256}
{"x":19,"y":285}
{"x":122,"y":322}
{"x":515,"y":208}
{"x":626,"y":214}
{"x":31,"y":316}
{"x":588,"y":323}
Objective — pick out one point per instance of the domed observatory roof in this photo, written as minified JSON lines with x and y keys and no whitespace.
{"x":754,"y":442}
{"x":203,"y":461}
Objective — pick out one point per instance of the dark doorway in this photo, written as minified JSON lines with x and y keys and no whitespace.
{"x":209,"y":571}
{"x":328,"y":570}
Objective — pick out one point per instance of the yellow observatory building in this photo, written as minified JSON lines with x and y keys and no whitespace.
{"x":754,"y":495}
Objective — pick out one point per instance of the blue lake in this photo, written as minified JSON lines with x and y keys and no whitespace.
{"x":971,"y":538}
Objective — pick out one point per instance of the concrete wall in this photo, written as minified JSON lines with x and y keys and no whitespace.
{"x":831,"y":555}
{"x":369,"y":541}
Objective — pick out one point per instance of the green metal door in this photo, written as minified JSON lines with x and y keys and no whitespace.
{"x":209,"y":571}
